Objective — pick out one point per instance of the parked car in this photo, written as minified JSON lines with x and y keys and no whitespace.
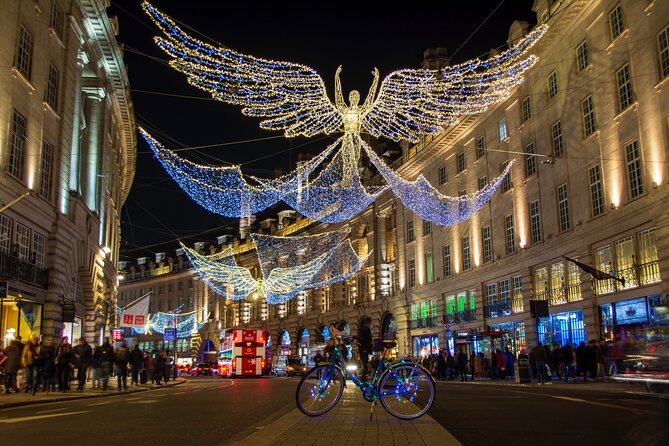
{"x":295,"y":366}
{"x":202,"y":369}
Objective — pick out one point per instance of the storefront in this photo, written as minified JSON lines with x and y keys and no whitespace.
{"x":20,"y":314}
{"x":74,"y":330}
{"x":284,"y":343}
{"x":424,"y":345}
{"x":303,"y":345}
{"x":631,"y":318}
{"x":512,"y":335}
{"x":390,"y":328}
{"x":562,"y":328}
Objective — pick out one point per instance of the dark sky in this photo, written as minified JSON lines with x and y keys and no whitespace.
{"x":359,"y":36}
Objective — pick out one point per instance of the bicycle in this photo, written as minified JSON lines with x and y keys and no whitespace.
{"x":406,"y":389}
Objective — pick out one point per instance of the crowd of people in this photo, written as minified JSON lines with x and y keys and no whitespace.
{"x":45,"y":366}
{"x":444,"y":366}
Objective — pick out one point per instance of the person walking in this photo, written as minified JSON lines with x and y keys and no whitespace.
{"x":365,"y":348}
{"x":47,"y":357}
{"x":602,"y":354}
{"x":96,"y":367}
{"x":106,"y":362}
{"x":11,"y":365}
{"x":121,"y":358}
{"x":540,"y":363}
{"x":501,"y":364}
{"x":83,"y":354}
{"x":136,"y":358}
{"x":64,"y":364}
{"x":30,"y":362}
{"x":510,"y":362}
{"x":478,"y":366}
{"x":462,"y":364}
{"x":441,"y":366}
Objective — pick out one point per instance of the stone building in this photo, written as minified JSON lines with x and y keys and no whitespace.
{"x":67,"y":149}
{"x":587,"y":133}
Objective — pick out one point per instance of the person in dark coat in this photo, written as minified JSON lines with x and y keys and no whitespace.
{"x":582,"y":360}
{"x":64,"y":364}
{"x":106,"y":362}
{"x":365,"y":348}
{"x":540,"y":358}
{"x":462,"y":364}
{"x":441,"y":366}
{"x":121,"y":358}
{"x":47,"y":357}
{"x":136,"y":358}
{"x":83,"y":354}
{"x":12,"y":365}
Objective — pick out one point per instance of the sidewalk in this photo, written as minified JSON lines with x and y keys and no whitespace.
{"x":348,"y":424}
{"x":25,"y":399}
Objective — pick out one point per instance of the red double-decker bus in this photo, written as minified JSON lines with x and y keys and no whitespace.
{"x":243,"y":353}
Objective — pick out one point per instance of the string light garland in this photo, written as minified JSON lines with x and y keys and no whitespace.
{"x":289,"y":265}
{"x":290,"y":97}
{"x":158,"y":322}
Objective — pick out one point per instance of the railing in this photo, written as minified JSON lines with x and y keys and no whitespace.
{"x":14,"y":268}
{"x":497,"y":309}
{"x":461,"y":316}
{"x":637,"y":275}
{"x":517,"y":305}
{"x":424,"y":323}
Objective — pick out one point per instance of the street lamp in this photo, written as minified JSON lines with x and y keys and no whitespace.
{"x":19,"y":305}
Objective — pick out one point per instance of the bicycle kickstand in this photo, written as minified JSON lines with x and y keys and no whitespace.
{"x":371,"y":411}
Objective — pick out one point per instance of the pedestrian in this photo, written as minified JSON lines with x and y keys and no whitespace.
{"x":47,"y":356}
{"x":450,"y":366}
{"x":83,"y":354}
{"x":540,"y":363}
{"x":12,"y":364}
{"x":462,"y":364}
{"x":558,"y":361}
{"x":441,"y":366}
{"x":64,"y":364}
{"x":602,"y":354}
{"x":582,"y":360}
{"x":96,"y":368}
{"x":106,"y":362}
{"x":318,"y":358}
{"x":365,"y":347}
{"x":136,"y":358}
{"x":501,"y":364}
{"x":30,"y":362}
{"x":121,"y":358}
{"x":478,"y":366}
{"x":166,"y":365}
{"x":510,"y":362}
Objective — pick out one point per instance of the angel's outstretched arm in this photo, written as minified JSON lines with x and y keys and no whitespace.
{"x":369,"y":102}
{"x":339,"y":97}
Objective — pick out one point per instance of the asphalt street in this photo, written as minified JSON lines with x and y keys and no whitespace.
{"x":490,"y":414}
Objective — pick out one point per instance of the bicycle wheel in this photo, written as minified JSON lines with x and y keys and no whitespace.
{"x":406,"y":391}
{"x":319,"y":390}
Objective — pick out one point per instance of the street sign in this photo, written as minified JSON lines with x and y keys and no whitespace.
{"x":4,"y":285}
{"x":117,"y":334}
{"x":170,"y":334}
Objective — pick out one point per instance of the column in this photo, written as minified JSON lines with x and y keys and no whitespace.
{"x":93,"y":143}
{"x":75,"y":151}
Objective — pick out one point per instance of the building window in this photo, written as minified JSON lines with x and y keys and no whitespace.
{"x":6,"y":225}
{"x":616,"y":22}
{"x":510,"y":234}
{"x":461,"y":164}
{"x":412,"y":273}
{"x":574,"y":282}
{"x":22,"y":241}
{"x":649,"y":268}
{"x":582,"y":56}
{"x":480,"y":147}
{"x":17,"y":145}
{"x":39,"y":250}
{"x":427,"y":227}
{"x":24,"y":53}
{"x":517,"y":303}
{"x":57,"y":17}
{"x":483,"y":182}
{"x":663,"y":51}
{"x":487,"y":244}
{"x":625,"y":95}
{"x":634,"y":176}
{"x":535,"y":222}
{"x":491,"y":293}
{"x":410,"y":235}
{"x":552,"y":85}
{"x":563,"y":207}
{"x":466,"y":260}
{"x":52,"y":89}
{"x":525,"y":109}
{"x":556,"y":140}
{"x":170,"y":287}
{"x":447,"y":260}
{"x":504,"y":291}
{"x":501,"y":126}
{"x":161,"y":289}
{"x":530,"y":160}
{"x":443,"y":176}
{"x":506,"y":182}
{"x":596,"y":191}
{"x":180,"y":286}
{"x":45,"y":173}
{"x":429,"y":268}
{"x":588,"y":113}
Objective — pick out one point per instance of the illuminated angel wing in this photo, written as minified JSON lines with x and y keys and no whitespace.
{"x":291,"y":97}
{"x":412,"y":103}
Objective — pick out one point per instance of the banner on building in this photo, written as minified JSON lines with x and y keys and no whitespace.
{"x":135,"y":315}
{"x":594,"y":272}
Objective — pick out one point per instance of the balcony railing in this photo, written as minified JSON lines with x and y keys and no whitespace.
{"x":461,"y":316}
{"x":14,"y":268}
{"x":637,"y":275}
{"x":428,"y":322}
{"x":497,"y":309}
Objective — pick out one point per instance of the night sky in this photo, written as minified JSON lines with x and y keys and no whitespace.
{"x":359,"y":37}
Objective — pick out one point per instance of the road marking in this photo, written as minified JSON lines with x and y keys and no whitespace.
{"x":144,"y":402}
{"x":578,"y":400}
{"x":52,"y":410}
{"x":40,"y":417}
{"x":100,"y":404}
{"x":178,"y":393}
{"x":133,"y":399}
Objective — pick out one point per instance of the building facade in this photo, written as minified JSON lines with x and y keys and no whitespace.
{"x":587,"y":133}
{"x":68,"y":152}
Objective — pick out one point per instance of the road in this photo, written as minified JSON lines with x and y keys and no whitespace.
{"x":488,"y":414}
{"x":215,"y":411}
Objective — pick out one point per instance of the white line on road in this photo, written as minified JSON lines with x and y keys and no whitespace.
{"x":100,"y":404}
{"x":578,"y":400}
{"x":133,"y":399}
{"x":40,"y":417}
{"x":178,"y":393}
{"x":52,"y":410}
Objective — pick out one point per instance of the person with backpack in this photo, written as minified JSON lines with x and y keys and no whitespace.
{"x":121,"y":358}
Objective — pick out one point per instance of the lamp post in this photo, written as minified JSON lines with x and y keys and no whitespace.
{"x":174,"y":343}
{"x":19,"y":305}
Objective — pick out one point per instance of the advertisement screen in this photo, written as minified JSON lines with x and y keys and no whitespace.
{"x":632,"y":311}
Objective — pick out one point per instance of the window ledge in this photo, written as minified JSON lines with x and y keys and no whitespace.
{"x":617,"y":117}
{"x":588,"y":68}
{"x":623,"y":35}
{"x":594,"y":135}
{"x":18,"y":75}
{"x":54,"y":34}
{"x":658,"y":87}
{"x":649,"y":9}
{"x":48,"y":108}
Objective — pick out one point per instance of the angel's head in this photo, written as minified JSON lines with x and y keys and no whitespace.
{"x":354,"y":98}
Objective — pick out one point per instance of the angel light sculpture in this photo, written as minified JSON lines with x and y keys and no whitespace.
{"x":290,"y":97}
